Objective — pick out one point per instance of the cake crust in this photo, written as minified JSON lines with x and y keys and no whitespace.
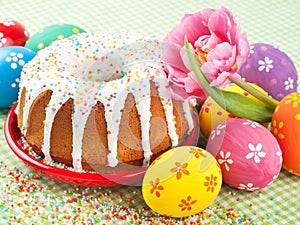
{"x":94,"y":123}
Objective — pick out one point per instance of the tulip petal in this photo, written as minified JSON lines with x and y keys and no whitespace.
{"x":185,"y":58}
{"x":179,"y":93}
{"x":222,"y":21}
{"x":172,"y":57}
{"x":176,"y":76}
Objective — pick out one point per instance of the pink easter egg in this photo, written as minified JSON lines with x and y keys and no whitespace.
{"x":249,"y":155}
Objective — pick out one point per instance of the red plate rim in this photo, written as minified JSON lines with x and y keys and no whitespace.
{"x":134,"y":177}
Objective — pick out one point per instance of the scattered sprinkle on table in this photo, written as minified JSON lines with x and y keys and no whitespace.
{"x":26,"y":200}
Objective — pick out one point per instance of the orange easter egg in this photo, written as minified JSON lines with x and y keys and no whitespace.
{"x":211,"y":114}
{"x":286,"y":128}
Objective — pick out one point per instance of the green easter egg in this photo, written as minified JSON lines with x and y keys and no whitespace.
{"x":47,"y":35}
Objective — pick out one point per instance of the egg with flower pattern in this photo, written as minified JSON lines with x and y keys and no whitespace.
{"x":12,"y":60}
{"x":181,"y":182}
{"x":271,"y":69}
{"x":12,"y":33}
{"x":211,"y":114}
{"x":248,"y":153}
{"x":286,"y":128}
{"x":48,"y":34}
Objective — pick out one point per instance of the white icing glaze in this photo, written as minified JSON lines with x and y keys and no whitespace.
{"x":165,"y":96}
{"x":143,"y":108}
{"x":104,"y":67}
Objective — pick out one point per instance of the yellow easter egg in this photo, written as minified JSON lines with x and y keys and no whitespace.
{"x":181,"y":182}
{"x":211,"y":114}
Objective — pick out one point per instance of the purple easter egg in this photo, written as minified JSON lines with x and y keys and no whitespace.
{"x":248,"y":154}
{"x":271,"y":69}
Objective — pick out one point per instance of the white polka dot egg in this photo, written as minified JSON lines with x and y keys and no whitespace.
{"x":12,"y":60}
{"x":181,"y":182}
{"x":248,"y":153}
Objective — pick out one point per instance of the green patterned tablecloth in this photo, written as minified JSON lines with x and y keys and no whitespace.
{"x":28,"y":198}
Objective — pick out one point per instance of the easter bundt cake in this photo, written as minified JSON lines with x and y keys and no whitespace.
{"x":101,"y":102}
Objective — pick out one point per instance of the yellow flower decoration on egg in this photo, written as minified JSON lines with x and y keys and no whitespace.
{"x":180,"y":169}
{"x":197,"y":152}
{"x":156,"y":188}
{"x":276,"y":129}
{"x":186,"y":204}
{"x":211,"y":183}
{"x":297,"y":116}
{"x":293,"y":98}
{"x":193,"y":171}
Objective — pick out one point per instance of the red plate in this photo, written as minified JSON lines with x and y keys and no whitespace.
{"x":134,"y":177}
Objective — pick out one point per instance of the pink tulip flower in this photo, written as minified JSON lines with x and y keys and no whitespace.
{"x":220,"y":48}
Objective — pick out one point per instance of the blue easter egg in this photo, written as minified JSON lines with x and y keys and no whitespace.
{"x":12,"y":60}
{"x":271,"y":69}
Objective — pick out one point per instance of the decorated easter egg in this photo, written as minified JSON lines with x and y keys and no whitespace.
{"x":181,"y":182}
{"x":12,"y":60}
{"x":248,"y":153}
{"x":286,"y":128}
{"x":12,"y":33}
{"x":271,"y":69}
{"x":47,"y":35}
{"x":211,"y":114}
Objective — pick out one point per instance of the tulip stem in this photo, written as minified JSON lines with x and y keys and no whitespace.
{"x":235,"y":103}
{"x":269,"y":101}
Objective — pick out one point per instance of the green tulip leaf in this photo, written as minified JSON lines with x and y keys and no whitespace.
{"x":232,"y":102}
